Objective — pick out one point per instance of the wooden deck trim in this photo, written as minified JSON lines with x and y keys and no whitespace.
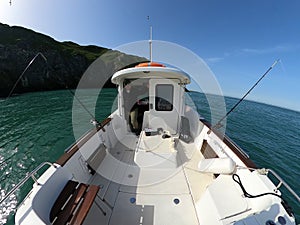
{"x":207,"y":151}
{"x":75,"y":147}
{"x":84,"y":208}
{"x":230,"y":143}
{"x":62,"y":198}
{"x":73,"y":203}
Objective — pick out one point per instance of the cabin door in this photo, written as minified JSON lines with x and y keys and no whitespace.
{"x":164,"y":104}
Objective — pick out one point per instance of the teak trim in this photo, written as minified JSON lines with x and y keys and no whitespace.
{"x":234,"y":147}
{"x":73,"y":203}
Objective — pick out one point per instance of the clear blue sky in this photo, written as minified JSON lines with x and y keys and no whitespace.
{"x":238,"y":39}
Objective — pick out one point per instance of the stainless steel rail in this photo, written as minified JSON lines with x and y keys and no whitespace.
{"x":282,"y":182}
{"x":24,"y":180}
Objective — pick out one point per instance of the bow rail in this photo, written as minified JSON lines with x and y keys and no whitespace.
{"x":282,"y":182}
{"x":24,"y":180}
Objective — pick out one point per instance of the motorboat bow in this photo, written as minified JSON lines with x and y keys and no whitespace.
{"x":154,"y":161}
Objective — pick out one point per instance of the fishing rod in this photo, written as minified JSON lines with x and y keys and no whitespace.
{"x":218,"y":124}
{"x":24,"y":71}
{"x":93,"y":121}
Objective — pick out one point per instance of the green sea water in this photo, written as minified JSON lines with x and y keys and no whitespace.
{"x":38,"y":127}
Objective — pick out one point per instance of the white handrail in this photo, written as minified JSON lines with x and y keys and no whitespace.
{"x":282,"y":182}
{"x":264,"y":171}
{"x":23,"y":181}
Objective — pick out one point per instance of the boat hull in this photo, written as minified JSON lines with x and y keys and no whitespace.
{"x":148,"y":179}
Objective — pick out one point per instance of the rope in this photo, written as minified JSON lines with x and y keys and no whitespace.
{"x":237,"y":179}
{"x":288,"y":209}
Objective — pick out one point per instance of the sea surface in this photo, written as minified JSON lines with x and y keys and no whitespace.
{"x":38,"y":127}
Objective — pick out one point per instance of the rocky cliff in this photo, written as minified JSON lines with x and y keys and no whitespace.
{"x":66,"y":62}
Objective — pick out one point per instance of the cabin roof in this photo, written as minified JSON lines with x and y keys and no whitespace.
{"x":150,"y":72}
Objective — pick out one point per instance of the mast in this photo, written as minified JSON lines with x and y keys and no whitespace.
{"x":150,"y":44}
{"x":150,"y":40}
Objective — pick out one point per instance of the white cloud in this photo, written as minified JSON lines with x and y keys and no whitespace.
{"x":275,"y":49}
{"x":213,"y":60}
{"x":254,"y":51}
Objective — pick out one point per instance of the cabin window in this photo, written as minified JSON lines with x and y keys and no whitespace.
{"x":164,"y":97}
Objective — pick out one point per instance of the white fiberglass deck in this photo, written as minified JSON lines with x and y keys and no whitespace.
{"x":149,"y":183}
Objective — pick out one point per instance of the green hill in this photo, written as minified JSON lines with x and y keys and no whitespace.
{"x":66,"y":61}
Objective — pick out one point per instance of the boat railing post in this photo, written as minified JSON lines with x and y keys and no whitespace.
{"x":279,"y":185}
{"x":282,"y":182}
{"x":24,"y":180}
{"x":34,"y":179}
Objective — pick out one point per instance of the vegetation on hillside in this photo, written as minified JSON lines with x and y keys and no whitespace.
{"x":66,"y":61}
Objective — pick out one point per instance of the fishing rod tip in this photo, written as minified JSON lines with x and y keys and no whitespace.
{"x":278,"y":60}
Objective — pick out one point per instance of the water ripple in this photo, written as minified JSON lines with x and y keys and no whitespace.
{"x":37,"y":127}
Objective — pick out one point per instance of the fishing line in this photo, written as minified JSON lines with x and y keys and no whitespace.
{"x":218,"y":124}
{"x":94,"y":121}
{"x":14,"y":87}
{"x":283,"y":67}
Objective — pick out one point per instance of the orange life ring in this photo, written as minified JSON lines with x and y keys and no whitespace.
{"x":147,"y":64}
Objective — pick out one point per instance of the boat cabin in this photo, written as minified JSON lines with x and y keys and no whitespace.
{"x":151,"y":98}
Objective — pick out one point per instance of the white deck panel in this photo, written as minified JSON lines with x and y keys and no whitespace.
{"x":154,"y":188}
{"x":160,"y":182}
{"x":153,"y":210}
{"x":198,"y":181}
{"x":100,"y":212}
{"x":223,"y":199}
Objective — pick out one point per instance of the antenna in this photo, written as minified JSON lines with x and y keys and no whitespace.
{"x":150,"y":40}
{"x":150,"y":43}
